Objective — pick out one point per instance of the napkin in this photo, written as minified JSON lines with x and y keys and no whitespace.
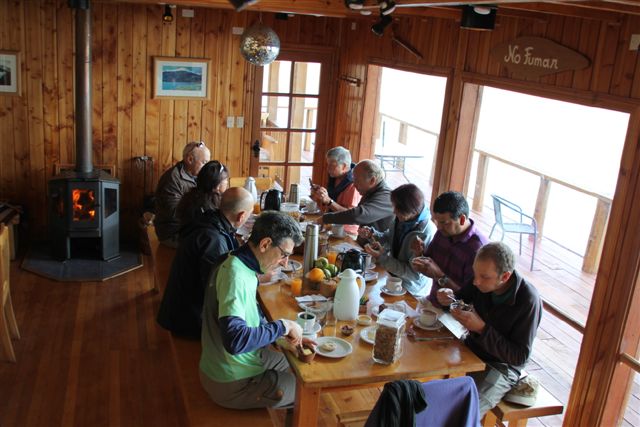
{"x":453,"y":325}
{"x":311,"y":298}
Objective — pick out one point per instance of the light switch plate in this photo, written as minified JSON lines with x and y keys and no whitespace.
{"x":240,"y":122}
{"x":188,"y":13}
{"x":237,"y":31}
{"x":635,"y":42}
{"x":230,"y":120}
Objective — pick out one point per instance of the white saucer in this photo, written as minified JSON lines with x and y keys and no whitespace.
{"x":371,"y":266}
{"x":316,"y":328}
{"x":368,"y":334}
{"x":434,"y":327}
{"x":343,"y":347}
{"x":386,"y":291}
{"x":305,"y":211}
{"x":370,"y":275}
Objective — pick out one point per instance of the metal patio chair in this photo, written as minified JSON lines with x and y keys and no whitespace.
{"x":526,"y":225}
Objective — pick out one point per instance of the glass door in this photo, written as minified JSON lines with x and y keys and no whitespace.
{"x":292,"y":120}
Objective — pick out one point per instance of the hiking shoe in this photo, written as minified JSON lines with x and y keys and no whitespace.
{"x":524,"y":392}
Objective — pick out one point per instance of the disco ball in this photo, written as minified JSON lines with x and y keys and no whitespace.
{"x":260,"y":45}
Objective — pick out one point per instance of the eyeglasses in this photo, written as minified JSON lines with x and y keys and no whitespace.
{"x":284,"y":254}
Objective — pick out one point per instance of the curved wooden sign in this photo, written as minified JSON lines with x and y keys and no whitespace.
{"x":535,"y":56}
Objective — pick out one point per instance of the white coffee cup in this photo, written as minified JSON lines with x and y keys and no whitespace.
{"x":428,"y":317}
{"x":394,"y":284}
{"x":307,"y":321}
{"x":337,"y":230}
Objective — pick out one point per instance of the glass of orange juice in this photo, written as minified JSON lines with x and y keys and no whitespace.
{"x":331,"y":256}
{"x":296,"y":286}
{"x":256,"y":208}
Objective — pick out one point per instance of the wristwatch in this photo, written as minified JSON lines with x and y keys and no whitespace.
{"x":329,"y":203}
{"x":442,"y":282}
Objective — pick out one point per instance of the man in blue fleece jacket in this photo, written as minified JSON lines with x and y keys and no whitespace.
{"x":238,"y":367}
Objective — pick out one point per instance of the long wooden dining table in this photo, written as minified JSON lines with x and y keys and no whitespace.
{"x":420,"y":360}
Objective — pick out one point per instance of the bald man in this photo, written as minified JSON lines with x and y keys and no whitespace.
{"x":374,"y":209}
{"x":174,"y":184}
{"x":210,"y":236}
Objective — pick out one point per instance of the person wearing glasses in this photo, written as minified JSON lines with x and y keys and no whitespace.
{"x":203,"y":241}
{"x":174,"y":184}
{"x":238,"y":367}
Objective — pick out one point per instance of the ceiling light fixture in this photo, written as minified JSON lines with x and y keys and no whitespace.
{"x":378,"y":27}
{"x":481,"y":18}
{"x":240,"y":5}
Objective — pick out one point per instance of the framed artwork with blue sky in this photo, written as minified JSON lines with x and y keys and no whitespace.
{"x":181,"y":78}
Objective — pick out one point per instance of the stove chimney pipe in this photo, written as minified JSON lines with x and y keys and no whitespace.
{"x":84,"y":139}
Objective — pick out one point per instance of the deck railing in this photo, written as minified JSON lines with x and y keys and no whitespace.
{"x":591,"y":257}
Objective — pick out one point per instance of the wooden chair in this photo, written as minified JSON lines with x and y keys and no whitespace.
{"x":8,"y":324}
{"x":262,"y":182}
{"x":518,"y":415}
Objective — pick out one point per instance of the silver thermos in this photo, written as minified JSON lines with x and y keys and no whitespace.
{"x":294,"y":196}
{"x":310,"y":247}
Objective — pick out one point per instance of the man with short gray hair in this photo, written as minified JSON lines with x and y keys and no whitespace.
{"x":238,"y":369}
{"x":340,"y":194}
{"x":502,"y":320}
{"x":375,"y":208}
{"x":174,"y":184}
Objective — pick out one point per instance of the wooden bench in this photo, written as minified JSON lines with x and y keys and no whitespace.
{"x":518,"y":415}
{"x":160,"y":256}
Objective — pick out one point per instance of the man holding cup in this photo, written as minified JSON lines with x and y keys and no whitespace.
{"x":502,"y":322}
{"x":238,"y":368}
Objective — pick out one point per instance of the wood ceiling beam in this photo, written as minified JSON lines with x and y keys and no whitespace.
{"x":437,"y":8}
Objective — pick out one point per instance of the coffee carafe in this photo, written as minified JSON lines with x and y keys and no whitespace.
{"x":294,"y":196}
{"x":271,"y":200}
{"x":353,"y":259}
{"x":310,"y":247}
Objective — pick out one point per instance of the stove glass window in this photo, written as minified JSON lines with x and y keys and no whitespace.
{"x":84,"y":205}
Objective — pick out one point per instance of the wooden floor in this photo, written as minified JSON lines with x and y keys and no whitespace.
{"x":91,"y":354}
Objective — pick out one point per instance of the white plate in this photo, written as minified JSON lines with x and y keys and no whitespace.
{"x":370,"y":275}
{"x":434,"y":327}
{"x":305,"y":211}
{"x":292,"y":266}
{"x":343,"y":347}
{"x":386,"y":291}
{"x":368,"y":334}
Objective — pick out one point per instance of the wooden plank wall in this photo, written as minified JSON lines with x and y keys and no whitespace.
{"x":37,"y":128}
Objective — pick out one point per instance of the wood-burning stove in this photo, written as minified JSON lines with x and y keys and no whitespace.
{"x":85,"y":207}
{"x":85,"y":203}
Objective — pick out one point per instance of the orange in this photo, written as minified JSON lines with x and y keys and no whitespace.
{"x":316,"y":275}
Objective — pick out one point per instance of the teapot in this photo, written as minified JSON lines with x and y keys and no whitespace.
{"x":353,"y":259}
{"x":271,"y":200}
{"x":346,"y":302}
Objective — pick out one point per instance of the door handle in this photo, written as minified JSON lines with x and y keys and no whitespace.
{"x":256,"y":149}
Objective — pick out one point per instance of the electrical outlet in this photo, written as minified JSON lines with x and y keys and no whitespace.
{"x":230,"y":120}
{"x":240,"y":122}
{"x":635,"y":42}
{"x":188,"y":13}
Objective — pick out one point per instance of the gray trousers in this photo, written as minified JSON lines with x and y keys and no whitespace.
{"x":275,"y":387}
{"x":493,"y":383}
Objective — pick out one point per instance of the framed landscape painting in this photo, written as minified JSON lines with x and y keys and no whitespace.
{"x":181,"y":78}
{"x":9,"y":73}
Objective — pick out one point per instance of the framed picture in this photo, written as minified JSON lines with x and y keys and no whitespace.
{"x":181,"y":78}
{"x":9,"y":73}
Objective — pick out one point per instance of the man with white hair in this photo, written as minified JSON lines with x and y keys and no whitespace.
{"x":340,"y":194}
{"x":375,"y":209}
{"x":174,"y":184}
